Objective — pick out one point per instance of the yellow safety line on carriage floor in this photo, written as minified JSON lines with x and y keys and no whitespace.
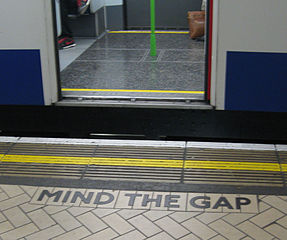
{"x":135,"y":162}
{"x":128,"y":90}
{"x":160,"y":32}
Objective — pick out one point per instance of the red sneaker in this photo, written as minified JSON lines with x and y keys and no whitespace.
{"x":66,"y":42}
{"x":83,"y":6}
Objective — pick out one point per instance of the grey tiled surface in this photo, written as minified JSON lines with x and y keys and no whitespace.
{"x":113,"y":55}
{"x":67,"y":56}
{"x":196,"y":55}
{"x":122,"y":61}
{"x":89,"y":223}
{"x":142,"y":55}
{"x":142,"y":41}
{"x":132,"y":75}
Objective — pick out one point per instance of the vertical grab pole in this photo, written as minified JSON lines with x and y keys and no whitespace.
{"x":152,"y":23}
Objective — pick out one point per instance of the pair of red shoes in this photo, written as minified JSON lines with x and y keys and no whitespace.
{"x":65,"y":42}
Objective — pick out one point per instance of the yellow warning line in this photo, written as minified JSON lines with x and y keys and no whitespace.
{"x":94,"y":161}
{"x":127,"y":90}
{"x":284,"y":167}
{"x":251,"y":166}
{"x":135,"y":162}
{"x":160,"y":32}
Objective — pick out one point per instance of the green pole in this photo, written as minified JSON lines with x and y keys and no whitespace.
{"x":152,"y":23}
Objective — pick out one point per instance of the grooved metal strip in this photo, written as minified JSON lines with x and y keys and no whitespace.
{"x":245,"y":178}
{"x":283,"y":162}
{"x":42,"y":170}
{"x":4,"y":147}
{"x":97,"y":151}
{"x":134,"y":173}
{"x":231,"y":155}
{"x":283,"y":156}
{"x":251,"y":166}
{"x":52,"y":150}
{"x":234,"y":167}
{"x":146,"y":164}
{"x":140,"y":152}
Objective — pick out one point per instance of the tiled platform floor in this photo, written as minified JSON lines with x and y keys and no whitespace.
{"x":25,"y":214}
{"x":122,"y":61}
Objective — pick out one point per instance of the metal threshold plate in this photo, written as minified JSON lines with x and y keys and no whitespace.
{"x":136,"y":98}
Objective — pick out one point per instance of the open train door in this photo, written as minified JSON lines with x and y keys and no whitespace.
{"x":117,"y":69}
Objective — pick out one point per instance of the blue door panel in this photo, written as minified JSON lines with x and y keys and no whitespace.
{"x":256,"y":81}
{"x":21,"y":77}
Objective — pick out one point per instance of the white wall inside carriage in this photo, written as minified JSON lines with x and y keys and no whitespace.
{"x":98,"y":4}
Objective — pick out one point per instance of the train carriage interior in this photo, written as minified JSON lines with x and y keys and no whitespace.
{"x":112,"y":57}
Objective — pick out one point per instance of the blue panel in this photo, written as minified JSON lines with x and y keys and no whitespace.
{"x":21,"y":77}
{"x":256,"y":81}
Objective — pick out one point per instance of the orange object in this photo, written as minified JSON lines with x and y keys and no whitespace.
{"x":196,"y":20}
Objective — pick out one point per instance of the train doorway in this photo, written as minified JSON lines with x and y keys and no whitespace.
{"x":112,"y":64}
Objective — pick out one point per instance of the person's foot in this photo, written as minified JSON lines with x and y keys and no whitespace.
{"x":66,"y":42}
{"x":83,"y":6}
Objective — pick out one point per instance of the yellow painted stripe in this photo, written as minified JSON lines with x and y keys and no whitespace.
{"x":160,"y":32}
{"x":284,"y":167}
{"x":163,"y":163}
{"x":251,"y":166}
{"x":135,"y":162}
{"x":95,"y":161}
{"x":127,"y":90}
{"x":46,"y":159}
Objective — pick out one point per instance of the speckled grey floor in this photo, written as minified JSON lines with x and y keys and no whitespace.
{"x":142,"y":41}
{"x":67,"y":56}
{"x":122,"y":61}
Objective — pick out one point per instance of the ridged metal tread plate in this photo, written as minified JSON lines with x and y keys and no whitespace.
{"x":180,"y":174}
